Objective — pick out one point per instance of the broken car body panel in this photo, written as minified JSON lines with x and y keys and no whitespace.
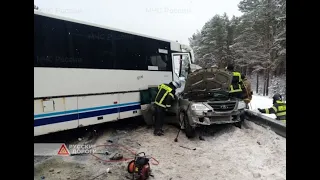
{"x":206,"y":100}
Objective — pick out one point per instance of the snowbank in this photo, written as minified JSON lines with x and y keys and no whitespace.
{"x":261,"y":102}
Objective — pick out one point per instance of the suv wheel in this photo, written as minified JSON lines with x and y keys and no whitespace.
{"x":189,"y":130}
{"x":238,"y":124}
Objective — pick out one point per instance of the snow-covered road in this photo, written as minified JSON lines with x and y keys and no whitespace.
{"x":229,"y":153}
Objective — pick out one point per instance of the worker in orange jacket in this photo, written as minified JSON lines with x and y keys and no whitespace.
{"x":247,"y":91}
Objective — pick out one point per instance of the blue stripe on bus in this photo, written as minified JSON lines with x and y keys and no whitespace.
{"x":71,"y":117}
{"x":85,"y":109}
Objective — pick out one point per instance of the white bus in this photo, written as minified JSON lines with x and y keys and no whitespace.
{"x":86,"y":74}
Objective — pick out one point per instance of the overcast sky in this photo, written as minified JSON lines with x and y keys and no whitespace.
{"x":168,"y":19}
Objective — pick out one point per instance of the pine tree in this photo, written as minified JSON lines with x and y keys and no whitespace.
{"x":255,"y":41}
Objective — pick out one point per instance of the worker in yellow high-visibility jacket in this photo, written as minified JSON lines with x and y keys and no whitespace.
{"x":278,"y":108}
{"x":163,"y":100}
{"x":237,"y":86}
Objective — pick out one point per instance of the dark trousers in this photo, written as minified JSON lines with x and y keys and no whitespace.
{"x":238,"y":95}
{"x":281,"y":118}
{"x":159,"y":118}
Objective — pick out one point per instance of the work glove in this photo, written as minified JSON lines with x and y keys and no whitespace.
{"x":260,"y":110}
{"x":176,"y":97}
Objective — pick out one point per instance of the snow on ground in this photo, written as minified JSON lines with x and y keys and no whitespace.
{"x":229,"y":153}
{"x":261,"y":102}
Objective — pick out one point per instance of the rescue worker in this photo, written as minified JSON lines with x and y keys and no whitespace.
{"x":236,"y":87}
{"x":278,"y":108}
{"x":164,"y":100}
{"x":247,"y":91}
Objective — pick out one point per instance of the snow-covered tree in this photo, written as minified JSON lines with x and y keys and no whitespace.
{"x":211,"y":44}
{"x":255,"y":41}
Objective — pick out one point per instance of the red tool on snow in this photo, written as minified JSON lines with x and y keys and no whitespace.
{"x":140,"y":167}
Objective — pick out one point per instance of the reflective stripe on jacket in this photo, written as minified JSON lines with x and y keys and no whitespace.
{"x":236,"y":84}
{"x":164,"y":92}
{"x":279,"y":109}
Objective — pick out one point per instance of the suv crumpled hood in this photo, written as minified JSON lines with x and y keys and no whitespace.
{"x":207,"y":80}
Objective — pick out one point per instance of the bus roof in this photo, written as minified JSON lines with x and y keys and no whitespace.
{"x":101,"y":26}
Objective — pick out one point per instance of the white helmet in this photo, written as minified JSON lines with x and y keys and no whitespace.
{"x":176,"y":84}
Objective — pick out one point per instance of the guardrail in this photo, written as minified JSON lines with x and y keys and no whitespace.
{"x":275,"y":125}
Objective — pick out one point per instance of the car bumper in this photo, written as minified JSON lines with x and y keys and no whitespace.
{"x":217,"y":118}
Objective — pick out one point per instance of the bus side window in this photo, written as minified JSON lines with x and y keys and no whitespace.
{"x":159,"y":61}
{"x":91,"y":46}
{"x":64,"y":44}
{"x":51,"y":43}
{"x":156,"y":59}
{"x":128,"y":52}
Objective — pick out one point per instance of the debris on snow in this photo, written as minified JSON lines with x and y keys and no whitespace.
{"x":256,"y":175}
{"x":116,"y":156}
{"x":258,"y":142}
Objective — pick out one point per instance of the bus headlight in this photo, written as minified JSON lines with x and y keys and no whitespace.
{"x":241,"y":105}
